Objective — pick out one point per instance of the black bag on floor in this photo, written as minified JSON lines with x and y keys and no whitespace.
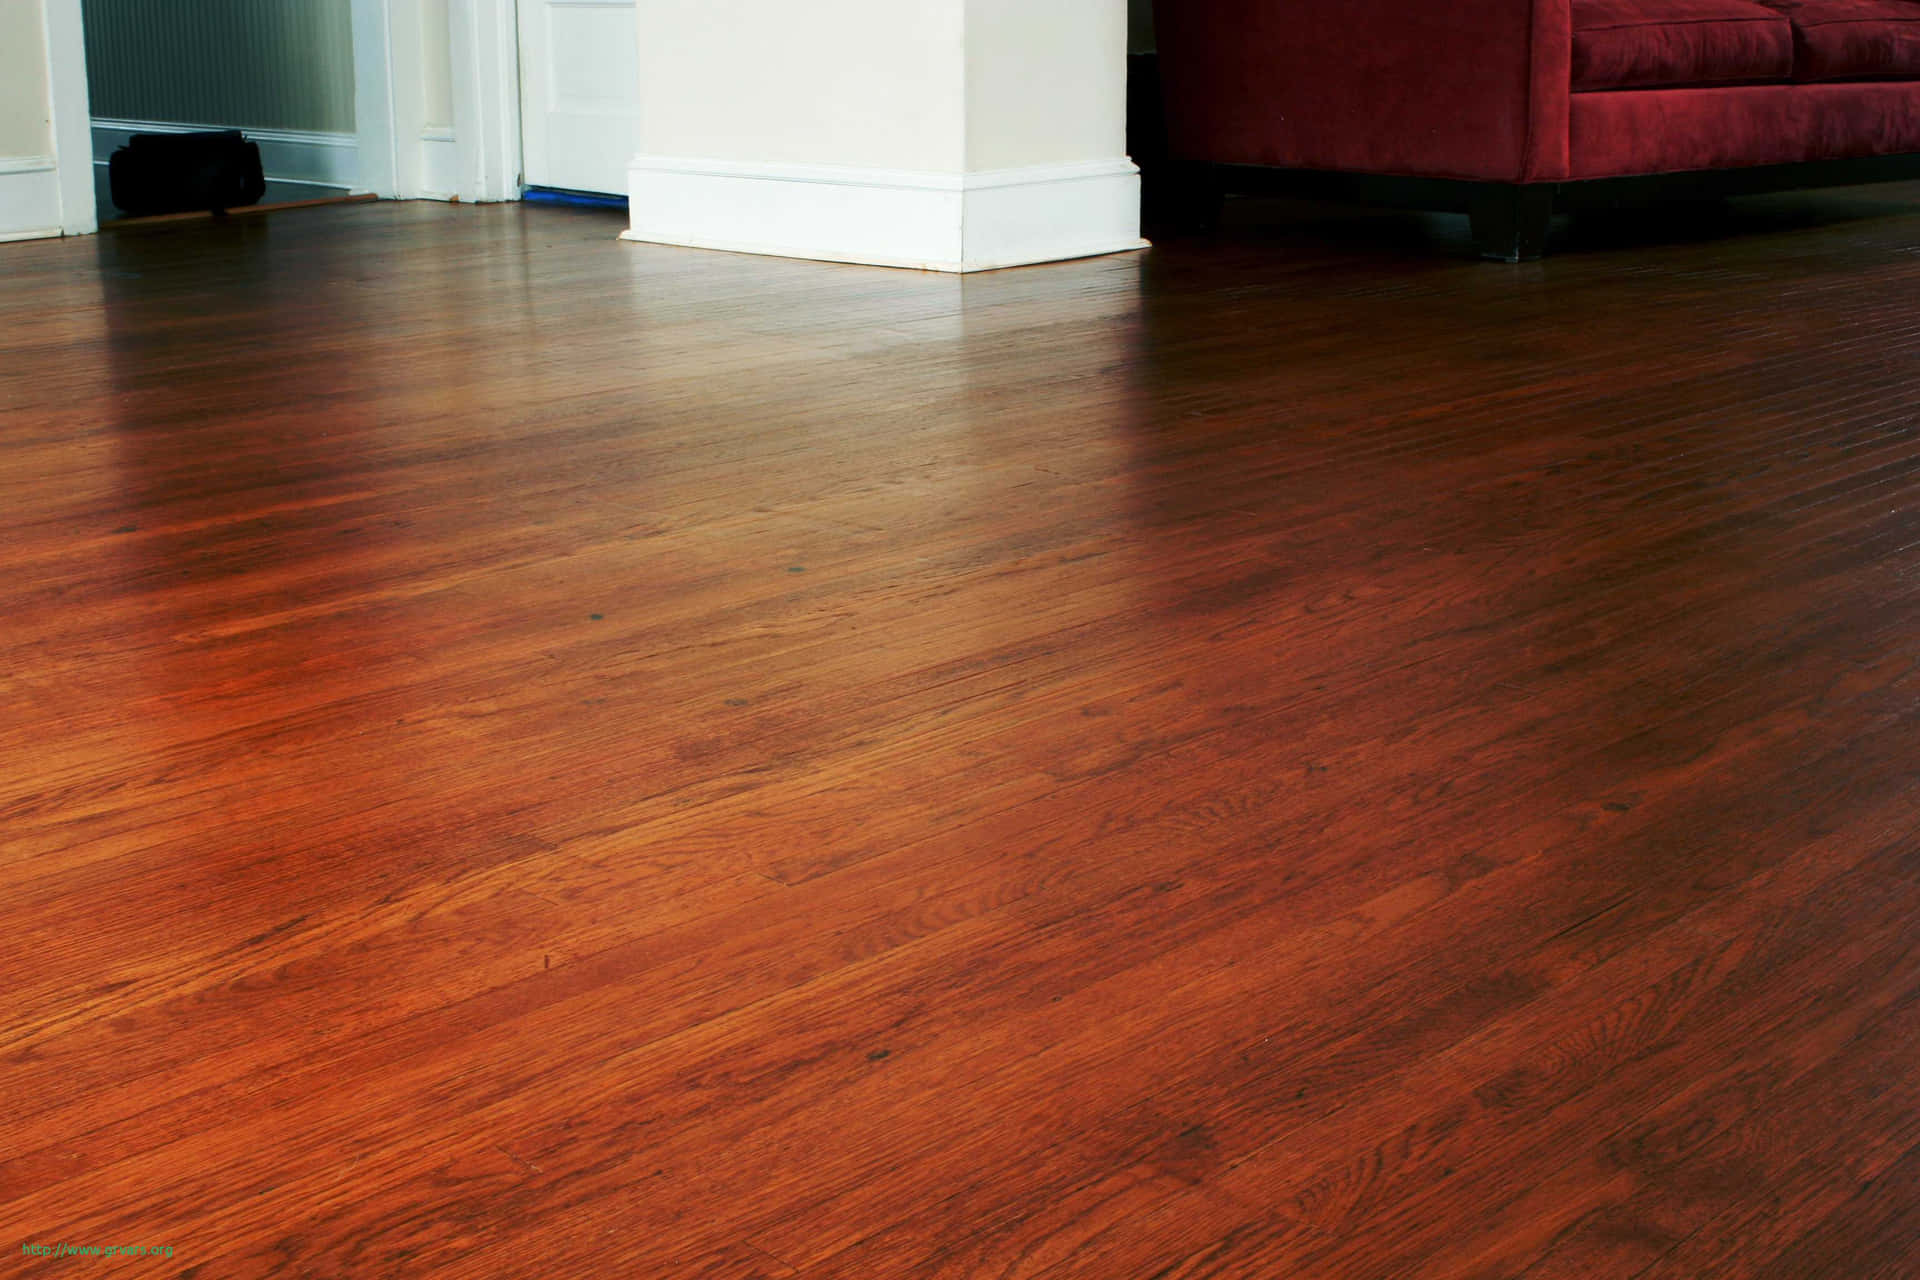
{"x":185,"y":173}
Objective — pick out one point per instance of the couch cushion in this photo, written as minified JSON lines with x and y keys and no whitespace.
{"x":1612,"y":135}
{"x":1630,"y":44}
{"x":1853,"y":39}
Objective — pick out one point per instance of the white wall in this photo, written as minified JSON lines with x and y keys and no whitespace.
{"x":1046,"y":82}
{"x":26,"y":112}
{"x":34,"y":201}
{"x":956,"y":135}
{"x":886,"y":84}
{"x":870,"y":83}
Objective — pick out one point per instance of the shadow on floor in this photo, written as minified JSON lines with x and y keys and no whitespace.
{"x":1369,"y":230}
{"x":278,"y":192}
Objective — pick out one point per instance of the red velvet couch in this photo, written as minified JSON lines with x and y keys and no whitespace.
{"x":1509,"y":109}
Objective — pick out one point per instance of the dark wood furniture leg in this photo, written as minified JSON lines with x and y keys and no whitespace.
{"x":1510,"y":221}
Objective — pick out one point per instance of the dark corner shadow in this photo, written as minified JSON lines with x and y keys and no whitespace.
{"x":1355,"y":232}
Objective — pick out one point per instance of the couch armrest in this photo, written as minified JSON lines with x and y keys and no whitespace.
{"x":1431,"y":88}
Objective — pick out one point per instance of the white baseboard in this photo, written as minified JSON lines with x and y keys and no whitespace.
{"x":439,"y":164}
{"x":29,"y":198}
{"x":890,"y":218}
{"x":321,"y":159}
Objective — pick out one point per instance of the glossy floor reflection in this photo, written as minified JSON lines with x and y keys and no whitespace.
{"x":1292,"y":754}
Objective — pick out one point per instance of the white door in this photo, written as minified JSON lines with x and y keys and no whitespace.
{"x":579,"y":84}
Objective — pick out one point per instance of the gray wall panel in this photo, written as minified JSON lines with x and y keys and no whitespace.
{"x":264,"y":64}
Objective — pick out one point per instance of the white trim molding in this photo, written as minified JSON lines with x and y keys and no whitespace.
{"x":377,"y":138}
{"x":29,"y":198}
{"x":439,"y":164}
{"x":287,"y":155}
{"x":885,"y":217}
{"x":485,"y":41}
{"x":70,"y":102}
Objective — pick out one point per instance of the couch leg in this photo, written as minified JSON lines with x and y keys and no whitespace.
{"x":1510,"y":222}
{"x":1180,"y":199}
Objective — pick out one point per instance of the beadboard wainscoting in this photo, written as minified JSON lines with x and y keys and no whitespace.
{"x":287,"y":155}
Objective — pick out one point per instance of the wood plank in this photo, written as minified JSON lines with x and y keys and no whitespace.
{"x":520,"y":752}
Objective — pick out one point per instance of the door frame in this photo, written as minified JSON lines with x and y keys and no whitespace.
{"x":556,"y":127}
{"x":72,"y":116}
{"x":484,"y":42}
{"x":485,"y":39}
{"x":484,"y":71}
{"x":373,"y":97}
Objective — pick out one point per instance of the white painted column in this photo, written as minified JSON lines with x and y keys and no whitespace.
{"x":955,"y":135}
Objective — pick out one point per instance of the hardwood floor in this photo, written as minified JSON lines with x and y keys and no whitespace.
{"x":1292,"y":755}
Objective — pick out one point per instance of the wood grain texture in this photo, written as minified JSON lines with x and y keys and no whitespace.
{"x":1293,"y":754}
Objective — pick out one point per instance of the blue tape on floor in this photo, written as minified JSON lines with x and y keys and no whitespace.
{"x":578,"y":199}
